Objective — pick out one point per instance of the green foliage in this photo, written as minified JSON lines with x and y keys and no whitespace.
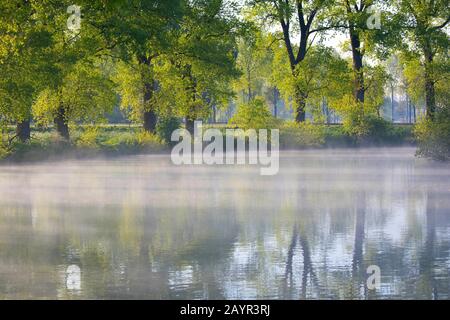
{"x":375,"y":82}
{"x":166,"y":126}
{"x":254,"y":61}
{"x":414,"y":73}
{"x":130,"y":141}
{"x":253,"y":115}
{"x":129,"y":79}
{"x":187,"y":71}
{"x":183,"y":58}
{"x":85,"y":94}
{"x":87,"y":141}
{"x":344,"y":102}
{"x":372,"y":129}
{"x":301,"y":135}
{"x":336,"y":136}
{"x":88,"y":138}
{"x":433,"y":137}
{"x":4,"y":151}
{"x":321,"y":74}
{"x":25,"y":58}
{"x":149,"y":141}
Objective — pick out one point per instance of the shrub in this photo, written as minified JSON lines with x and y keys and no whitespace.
{"x":129,"y":142}
{"x":116,"y":141}
{"x":253,"y":115}
{"x":3,"y":147}
{"x":301,"y":135}
{"x":372,"y":129}
{"x":433,"y":137}
{"x":165,"y":127}
{"x":88,"y":138}
{"x":146,"y":139}
{"x":336,"y":136}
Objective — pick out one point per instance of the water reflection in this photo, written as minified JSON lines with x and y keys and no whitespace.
{"x":73,"y":278}
{"x":140,"y":228}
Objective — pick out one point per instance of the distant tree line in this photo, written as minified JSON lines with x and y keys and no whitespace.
{"x":66,"y":63}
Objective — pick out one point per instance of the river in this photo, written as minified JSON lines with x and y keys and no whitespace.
{"x":138,"y":227}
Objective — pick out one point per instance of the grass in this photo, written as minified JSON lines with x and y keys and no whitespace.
{"x":295,"y":136}
{"x":85,"y":142}
{"x":115,"y":140}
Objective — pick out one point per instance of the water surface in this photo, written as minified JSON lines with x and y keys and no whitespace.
{"x":140,"y":228}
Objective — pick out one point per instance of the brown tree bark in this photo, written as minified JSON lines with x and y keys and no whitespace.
{"x":305,"y":23}
{"x":150,"y":118}
{"x":150,"y":121}
{"x":430,"y":90}
{"x":357,"y":56}
{"x":191,"y":88}
{"x":61,"y":123}
{"x":357,"y":53}
{"x":300,"y":99}
{"x":23,"y":130}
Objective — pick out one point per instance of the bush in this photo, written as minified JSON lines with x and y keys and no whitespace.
{"x":88,"y":138}
{"x":433,"y":137}
{"x":3,"y":148}
{"x":166,"y":126}
{"x":129,"y":142}
{"x":336,"y":136}
{"x":253,"y":115}
{"x":147,"y":140}
{"x":372,"y":129}
{"x":301,"y":135}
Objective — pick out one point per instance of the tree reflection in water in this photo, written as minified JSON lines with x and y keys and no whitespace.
{"x":139,"y":228}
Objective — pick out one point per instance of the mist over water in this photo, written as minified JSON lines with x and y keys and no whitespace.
{"x":140,"y":227}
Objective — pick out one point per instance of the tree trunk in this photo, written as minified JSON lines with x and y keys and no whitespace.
{"x":392,"y":104}
{"x":430,"y":91}
{"x":190,"y":125}
{"x":300,"y":101}
{"x":408,"y":109}
{"x":325,"y":110}
{"x":301,"y":113}
{"x":275,"y":102}
{"x":61,"y":123}
{"x":149,"y":117}
{"x":150,"y":120}
{"x":23,"y":130}
{"x":214,"y":115}
{"x":299,"y":96}
{"x":191,"y":89}
{"x":359,"y":88}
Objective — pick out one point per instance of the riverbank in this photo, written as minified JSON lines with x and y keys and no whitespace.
{"x":118,"y":140}
{"x":85,"y":142}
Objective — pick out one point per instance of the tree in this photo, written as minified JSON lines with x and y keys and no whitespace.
{"x":322,"y":74}
{"x":72,"y":52}
{"x":355,"y":18}
{"x":424,"y":23}
{"x":253,"y":115}
{"x":254,"y":61}
{"x":85,"y":94}
{"x":136,"y":34}
{"x":362,"y":21}
{"x":202,"y":64}
{"x":24,"y":60}
{"x":302,"y":17}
